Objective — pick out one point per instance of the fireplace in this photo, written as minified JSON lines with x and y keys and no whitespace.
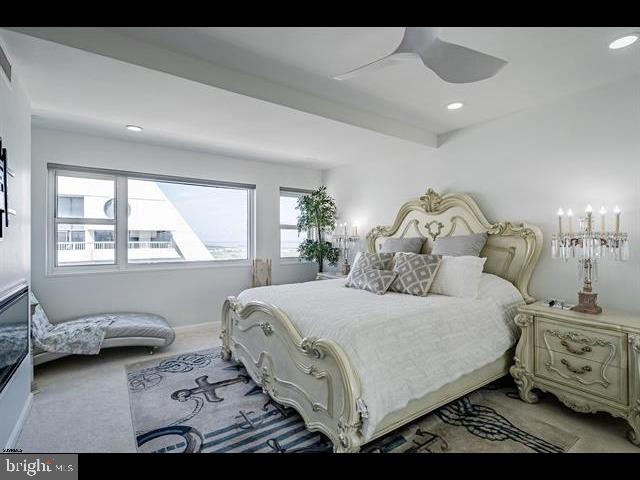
{"x":14,"y":333}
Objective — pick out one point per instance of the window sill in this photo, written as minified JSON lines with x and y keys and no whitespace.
{"x":294,"y":261}
{"x":146,"y":267}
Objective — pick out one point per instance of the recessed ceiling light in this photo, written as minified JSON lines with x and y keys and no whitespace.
{"x":624,"y":41}
{"x":134,"y":128}
{"x":455,"y":105}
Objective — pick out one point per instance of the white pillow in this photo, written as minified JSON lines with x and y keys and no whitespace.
{"x":458,"y":276}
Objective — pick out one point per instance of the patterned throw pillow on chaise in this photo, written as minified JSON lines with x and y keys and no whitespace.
{"x":371,"y":279}
{"x":415,"y":273}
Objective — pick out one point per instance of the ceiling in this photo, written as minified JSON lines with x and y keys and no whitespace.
{"x":74,"y":90}
{"x":267,"y":93}
{"x":544,"y":64}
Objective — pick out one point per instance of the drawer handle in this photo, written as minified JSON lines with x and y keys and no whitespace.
{"x":575,"y":351}
{"x":577,"y":371}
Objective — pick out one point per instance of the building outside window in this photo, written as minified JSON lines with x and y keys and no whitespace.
{"x":70,"y":206}
{"x":179,"y":221}
{"x":79,"y":215}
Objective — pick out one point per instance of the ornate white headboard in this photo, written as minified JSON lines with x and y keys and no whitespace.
{"x":512,"y":250}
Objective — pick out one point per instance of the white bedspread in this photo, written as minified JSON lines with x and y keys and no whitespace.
{"x":402,"y":346}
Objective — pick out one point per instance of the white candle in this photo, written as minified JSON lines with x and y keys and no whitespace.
{"x":570,"y":215}
{"x":589,"y":211}
{"x":603,"y":212}
{"x":616,"y":210}
{"x":560,"y":214}
{"x":355,"y":229}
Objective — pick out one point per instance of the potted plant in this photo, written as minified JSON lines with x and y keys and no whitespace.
{"x":317,"y":216}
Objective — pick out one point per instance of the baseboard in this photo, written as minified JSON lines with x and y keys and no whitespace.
{"x":196,"y":326}
{"x":17,"y":429}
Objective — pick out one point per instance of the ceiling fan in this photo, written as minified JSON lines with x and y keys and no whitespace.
{"x":452,"y":63}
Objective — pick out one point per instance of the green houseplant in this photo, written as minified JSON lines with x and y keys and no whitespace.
{"x":317,"y":216}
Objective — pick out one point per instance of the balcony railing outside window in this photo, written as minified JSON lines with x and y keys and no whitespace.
{"x":62,"y":246}
{"x":151,"y":244}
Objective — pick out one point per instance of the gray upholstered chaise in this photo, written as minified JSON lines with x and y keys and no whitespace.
{"x":127,"y":329}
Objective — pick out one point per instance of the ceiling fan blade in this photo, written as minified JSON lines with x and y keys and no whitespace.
{"x":417,"y":39}
{"x":457,"y":64}
{"x":392,"y":59}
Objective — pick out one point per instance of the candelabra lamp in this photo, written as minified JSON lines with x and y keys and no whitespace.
{"x":345,"y":242}
{"x":589,"y":247}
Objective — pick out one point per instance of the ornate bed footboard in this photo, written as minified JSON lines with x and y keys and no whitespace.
{"x":314,"y":376}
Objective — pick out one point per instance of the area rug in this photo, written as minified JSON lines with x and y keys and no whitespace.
{"x":196,"y":402}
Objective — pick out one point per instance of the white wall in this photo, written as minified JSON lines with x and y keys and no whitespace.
{"x":15,"y":129}
{"x":183,"y":295}
{"x":583,"y":149}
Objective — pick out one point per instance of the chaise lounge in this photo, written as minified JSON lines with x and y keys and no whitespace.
{"x":122,"y":330}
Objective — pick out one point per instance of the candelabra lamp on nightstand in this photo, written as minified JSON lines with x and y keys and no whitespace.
{"x":345,"y":243}
{"x":588,"y":247}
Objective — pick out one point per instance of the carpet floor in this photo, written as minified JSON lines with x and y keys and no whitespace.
{"x":83,"y":405}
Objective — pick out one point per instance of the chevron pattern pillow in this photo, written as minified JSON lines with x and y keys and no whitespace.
{"x":371,"y":279}
{"x":415,"y":273}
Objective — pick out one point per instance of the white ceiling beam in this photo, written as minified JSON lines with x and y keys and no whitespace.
{"x":120,"y":47}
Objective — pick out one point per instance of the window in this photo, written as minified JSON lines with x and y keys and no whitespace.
{"x":182,"y":222}
{"x":166,"y":220}
{"x":79,"y":220}
{"x":289,"y":237}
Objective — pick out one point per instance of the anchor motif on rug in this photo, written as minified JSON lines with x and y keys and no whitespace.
{"x":425,"y":441}
{"x":208,"y":389}
{"x":249,"y":420}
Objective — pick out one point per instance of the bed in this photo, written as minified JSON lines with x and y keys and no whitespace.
{"x":357,"y":365}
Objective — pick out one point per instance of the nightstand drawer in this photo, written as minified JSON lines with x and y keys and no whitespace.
{"x":588,"y":344}
{"x":578,"y":372}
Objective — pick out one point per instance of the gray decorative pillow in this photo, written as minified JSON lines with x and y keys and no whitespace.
{"x":461,"y":245}
{"x":411,"y":245}
{"x":379,"y":261}
{"x":415,"y":273}
{"x":371,"y":279}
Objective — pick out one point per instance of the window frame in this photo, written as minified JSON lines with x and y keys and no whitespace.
{"x":55,"y":220}
{"x":295,"y":193}
{"x":121,"y":222}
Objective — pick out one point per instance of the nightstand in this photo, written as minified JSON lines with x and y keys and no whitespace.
{"x":329,"y":276}
{"x":589,"y":362}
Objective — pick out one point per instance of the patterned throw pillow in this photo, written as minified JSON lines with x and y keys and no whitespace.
{"x":415,"y":273}
{"x":379,"y":261}
{"x":371,"y":279}
{"x":364,"y":260}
